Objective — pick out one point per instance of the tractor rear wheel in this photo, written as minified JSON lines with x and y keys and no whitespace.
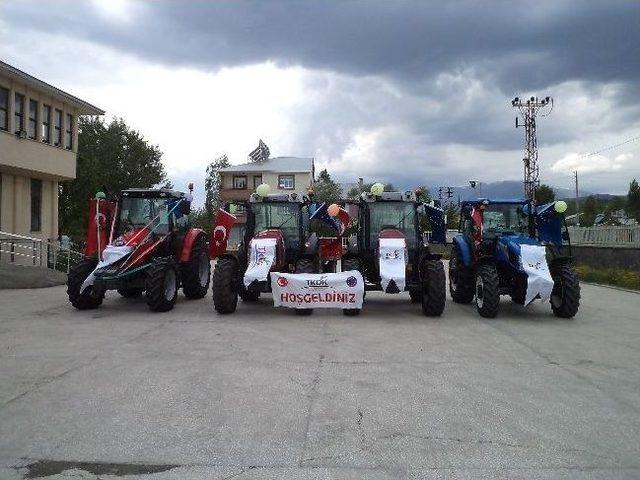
{"x":224,"y":285}
{"x":487,"y":291}
{"x":130,"y":292}
{"x":565,"y":296}
{"x":460,"y":279}
{"x":349,"y":264}
{"x":161,"y":284}
{"x":304,"y":265}
{"x":88,"y":298}
{"x":196,"y":273}
{"x":434,"y":288}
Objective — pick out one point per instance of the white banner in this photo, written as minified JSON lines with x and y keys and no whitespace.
{"x":262,"y":255}
{"x":318,"y":290}
{"x":539,"y":281}
{"x":111,"y":254}
{"x":392,"y":262}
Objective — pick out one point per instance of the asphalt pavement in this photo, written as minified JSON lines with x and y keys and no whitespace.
{"x":120,"y":392}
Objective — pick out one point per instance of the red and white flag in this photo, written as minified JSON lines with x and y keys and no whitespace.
{"x":220,"y":233}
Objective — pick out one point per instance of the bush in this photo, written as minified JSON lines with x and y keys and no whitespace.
{"x":617,"y":277}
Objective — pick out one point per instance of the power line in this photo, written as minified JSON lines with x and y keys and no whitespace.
{"x":611,"y":147}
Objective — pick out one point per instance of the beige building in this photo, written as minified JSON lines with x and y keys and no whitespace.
{"x":38,"y":148}
{"x":282,"y":174}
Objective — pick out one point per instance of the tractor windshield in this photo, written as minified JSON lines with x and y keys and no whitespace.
{"x":398,"y":215}
{"x":282,"y":216}
{"x":500,"y":219}
{"x":137,"y":213}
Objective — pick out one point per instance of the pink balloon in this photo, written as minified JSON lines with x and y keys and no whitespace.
{"x":333,"y":210}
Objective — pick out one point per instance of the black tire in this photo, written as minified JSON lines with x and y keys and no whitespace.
{"x":196,"y":273}
{"x":224,"y":285}
{"x":487,"y":291}
{"x":347,"y":265}
{"x":434,"y":288}
{"x":461,"y":280}
{"x":87,"y":299}
{"x":248,"y":295}
{"x":130,"y":292}
{"x":304,"y":265}
{"x":161,"y":284}
{"x":565,"y":296}
{"x":519,"y":293}
{"x":415,"y":296}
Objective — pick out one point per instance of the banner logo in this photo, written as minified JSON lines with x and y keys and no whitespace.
{"x":282,"y":282}
{"x":352,"y":281}
{"x":318,"y":283}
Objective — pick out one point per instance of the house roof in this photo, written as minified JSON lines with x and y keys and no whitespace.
{"x":84,"y":108}
{"x":277,"y":164}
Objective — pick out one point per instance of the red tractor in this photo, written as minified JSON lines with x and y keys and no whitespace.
{"x":141,"y":242}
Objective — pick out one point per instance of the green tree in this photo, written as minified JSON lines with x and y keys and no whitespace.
{"x":213,"y":185}
{"x":325,"y":189}
{"x":423,"y":195}
{"x":111,"y":157}
{"x":633,"y":200}
{"x":589,"y":210}
{"x":452,"y":213}
{"x":545,"y":194}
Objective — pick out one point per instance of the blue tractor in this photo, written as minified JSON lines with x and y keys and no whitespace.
{"x":515,"y":248}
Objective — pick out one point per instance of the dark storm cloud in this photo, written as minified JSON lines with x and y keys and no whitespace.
{"x":521,"y":45}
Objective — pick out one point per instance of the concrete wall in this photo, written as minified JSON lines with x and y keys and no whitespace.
{"x":607,"y":257}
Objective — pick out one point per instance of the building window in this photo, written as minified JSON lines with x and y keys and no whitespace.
{"x":46,"y":123}
{"x":286,"y":182}
{"x":18,"y":108}
{"x":33,"y":119}
{"x":57,"y":127}
{"x":68,"y":132}
{"x":4,"y":109}
{"x":36,"y":205}
{"x":239,"y":182}
{"x":257,"y":180}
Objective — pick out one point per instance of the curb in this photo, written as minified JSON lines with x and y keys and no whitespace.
{"x":612,"y":287}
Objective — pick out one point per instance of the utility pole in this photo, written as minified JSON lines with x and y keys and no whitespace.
{"x":575,"y":174}
{"x":529,"y":110}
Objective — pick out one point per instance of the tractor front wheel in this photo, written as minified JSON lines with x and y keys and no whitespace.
{"x":565,"y":296}
{"x":88,"y":298}
{"x":196,"y":273}
{"x":487,"y":291}
{"x":304,"y":265}
{"x":460,"y":279}
{"x":224,"y":286}
{"x":161,"y":285}
{"x":434,"y":288}
{"x":349,"y":264}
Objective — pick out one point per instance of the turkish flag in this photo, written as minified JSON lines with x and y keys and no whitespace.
{"x":477,"y":215}
{"x":100,"y":215}
{"x":220,"y":233}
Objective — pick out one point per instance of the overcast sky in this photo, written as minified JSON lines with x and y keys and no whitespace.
{"x":408,"y":92}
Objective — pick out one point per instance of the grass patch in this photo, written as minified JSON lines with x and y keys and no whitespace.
{"x":610,"y":276}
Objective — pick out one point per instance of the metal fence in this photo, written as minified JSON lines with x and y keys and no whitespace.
{"x":23,"y":250}
{"x":606,"y":236}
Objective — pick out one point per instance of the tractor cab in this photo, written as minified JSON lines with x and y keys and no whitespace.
{"x":287,"y":214}
{"x":149,"y":213}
